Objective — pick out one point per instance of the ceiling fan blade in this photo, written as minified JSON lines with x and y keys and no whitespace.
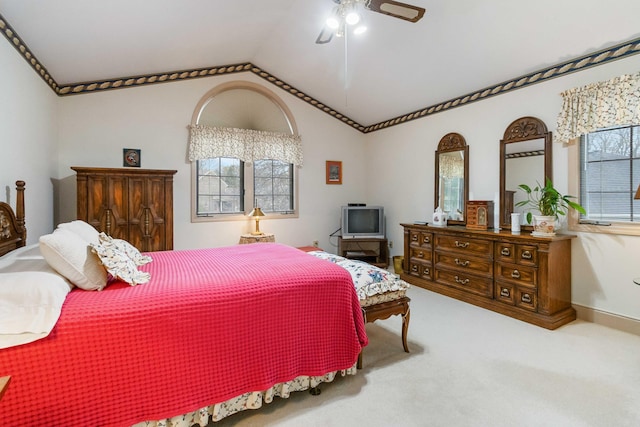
{"x":396,"y":9}
{"x":325,"y":36}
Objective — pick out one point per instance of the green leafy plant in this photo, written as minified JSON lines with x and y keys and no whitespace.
{"x":548,"y":201}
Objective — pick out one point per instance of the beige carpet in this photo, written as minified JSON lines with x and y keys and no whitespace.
{"x":473,"y":367}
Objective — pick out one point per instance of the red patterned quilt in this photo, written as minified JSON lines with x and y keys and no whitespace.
{"x":210,"y":325}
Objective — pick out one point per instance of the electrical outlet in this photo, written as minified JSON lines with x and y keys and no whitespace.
{"x":315,"y":243}
{"x":390,"y":244}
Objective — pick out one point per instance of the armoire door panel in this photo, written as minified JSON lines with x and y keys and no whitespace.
{"x":131,"y":204}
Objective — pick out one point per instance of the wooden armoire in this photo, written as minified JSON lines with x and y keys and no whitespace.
{"x":131,"y":204}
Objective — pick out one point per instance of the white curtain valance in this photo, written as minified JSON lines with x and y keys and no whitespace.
{"x":245,"y":144}
{"x":599,"y":105}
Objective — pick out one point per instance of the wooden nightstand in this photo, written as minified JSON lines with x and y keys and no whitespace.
{"x":4,"y":383}
{"x":257,"y":238}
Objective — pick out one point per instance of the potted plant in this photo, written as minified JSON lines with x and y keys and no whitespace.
{"x":550,"y":204}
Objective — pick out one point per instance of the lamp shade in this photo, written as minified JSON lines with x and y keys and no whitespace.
{"x":256,"y":212}
{"x":637,"y":196}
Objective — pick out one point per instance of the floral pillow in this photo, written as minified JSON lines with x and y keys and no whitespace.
{"x":126,"y":247}
{"x":119,"y":264}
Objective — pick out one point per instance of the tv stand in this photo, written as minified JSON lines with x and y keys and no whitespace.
{"x":372,"y":250}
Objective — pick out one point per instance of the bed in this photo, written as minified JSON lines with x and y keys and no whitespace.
{"x":203,"y":333}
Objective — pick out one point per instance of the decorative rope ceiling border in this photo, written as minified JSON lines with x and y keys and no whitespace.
{"x":629,"y":48}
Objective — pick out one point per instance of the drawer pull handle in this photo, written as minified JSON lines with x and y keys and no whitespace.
{"x":461,"y":245}
{"x":504,"y":292}
{"x":414,"y":237}
{"x":461,"y":281}
{"x":505,"y":252}
{"x":462,"y":263}
{"x":414,"y":268}
{"x":515,"y":274}
{"x":527,"y":255}
{"x":526,"y":298}
{"x":426,"y":240}
{"x":420,"y":254}
{"x":426,"y":272}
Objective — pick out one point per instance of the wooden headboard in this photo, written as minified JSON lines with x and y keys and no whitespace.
{"x":13,"y":233}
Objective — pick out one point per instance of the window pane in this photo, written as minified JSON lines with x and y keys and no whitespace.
{"x":219,"y":186}
{"x":273,"y":185}
{"x":264,"y":186}
{"x":609,"y":174}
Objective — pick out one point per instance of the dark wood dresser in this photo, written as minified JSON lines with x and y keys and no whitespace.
{"x":519,"y":275}
{"x":131,"y":204}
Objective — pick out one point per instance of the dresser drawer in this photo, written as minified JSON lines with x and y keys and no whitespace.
{"x":516,"y":254}
{"x":519,"y":274}
{"x":473,"y":284}
{"x":505,"y":292}
{"x":420,"y":254}
{"x":462,"y":262}
{"x":420,"y":238}
{"x":476,"y":247}
{"x":420,"y":270}
{"x":520,"y":296}
{"x":526,"y":298}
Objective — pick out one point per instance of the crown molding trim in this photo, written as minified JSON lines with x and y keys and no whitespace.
{"x":24,"y":51}
{"x":622,"y":50}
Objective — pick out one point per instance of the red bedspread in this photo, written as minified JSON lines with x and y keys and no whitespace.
{"x":210,"y":325}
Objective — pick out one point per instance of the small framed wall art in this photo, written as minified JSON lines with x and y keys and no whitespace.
{"x":334,"y":172}
{"x":131,"y":157}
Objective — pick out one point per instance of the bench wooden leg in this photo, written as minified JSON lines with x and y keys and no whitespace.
{"x":405,"y":328}
{"x":385,"y":310}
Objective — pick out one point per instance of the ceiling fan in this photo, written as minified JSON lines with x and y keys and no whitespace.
{"x":346,"y":13}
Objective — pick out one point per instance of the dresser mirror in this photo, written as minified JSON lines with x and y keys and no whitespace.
{"x":452,"y":177}
{"x":525,"y":158}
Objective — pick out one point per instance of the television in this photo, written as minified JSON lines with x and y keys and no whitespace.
{"x":359,"y":222}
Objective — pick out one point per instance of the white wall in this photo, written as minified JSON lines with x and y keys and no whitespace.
{"x":94,"y":128}
{"x":28,"y":135}
{"x":401,"y":177}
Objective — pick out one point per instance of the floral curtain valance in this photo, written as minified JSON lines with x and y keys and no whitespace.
{"x":245,"y":144}
{"x":599,"y":105}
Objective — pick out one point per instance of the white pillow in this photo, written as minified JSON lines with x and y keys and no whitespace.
{"x":126,"y":247}
{"x":70,"y":255}
{"x":30,"y":303}
{"x":119,"y":264}
{"x":82,"y":229}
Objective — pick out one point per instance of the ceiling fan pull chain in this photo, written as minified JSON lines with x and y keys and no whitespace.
{"x":346,"y":70}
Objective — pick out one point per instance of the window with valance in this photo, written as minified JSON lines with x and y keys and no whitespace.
{"x":603,"y":120}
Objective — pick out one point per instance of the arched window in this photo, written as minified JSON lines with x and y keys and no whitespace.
{"x":245,"y":153}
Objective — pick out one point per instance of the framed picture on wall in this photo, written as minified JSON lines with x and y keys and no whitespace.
{"x":131,"y":157}
{"x":334,"y":172}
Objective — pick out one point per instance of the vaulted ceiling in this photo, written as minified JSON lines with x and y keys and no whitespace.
{"x":461,"y":50}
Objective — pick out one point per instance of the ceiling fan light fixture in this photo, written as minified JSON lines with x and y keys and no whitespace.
{"x":352,"y":17}
{"x":360,"y":29}
{"x":333,"y":22}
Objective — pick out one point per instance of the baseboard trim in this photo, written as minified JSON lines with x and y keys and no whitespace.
{"x":615,"y":321}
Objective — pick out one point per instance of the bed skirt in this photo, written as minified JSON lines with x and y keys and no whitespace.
{"x":251,"y":400}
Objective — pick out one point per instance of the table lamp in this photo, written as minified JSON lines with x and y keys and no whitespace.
{"x":257,"y":213}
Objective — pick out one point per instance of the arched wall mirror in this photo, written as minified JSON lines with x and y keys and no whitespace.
{"x":525,"y":158}
{"x":452,"y":177}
